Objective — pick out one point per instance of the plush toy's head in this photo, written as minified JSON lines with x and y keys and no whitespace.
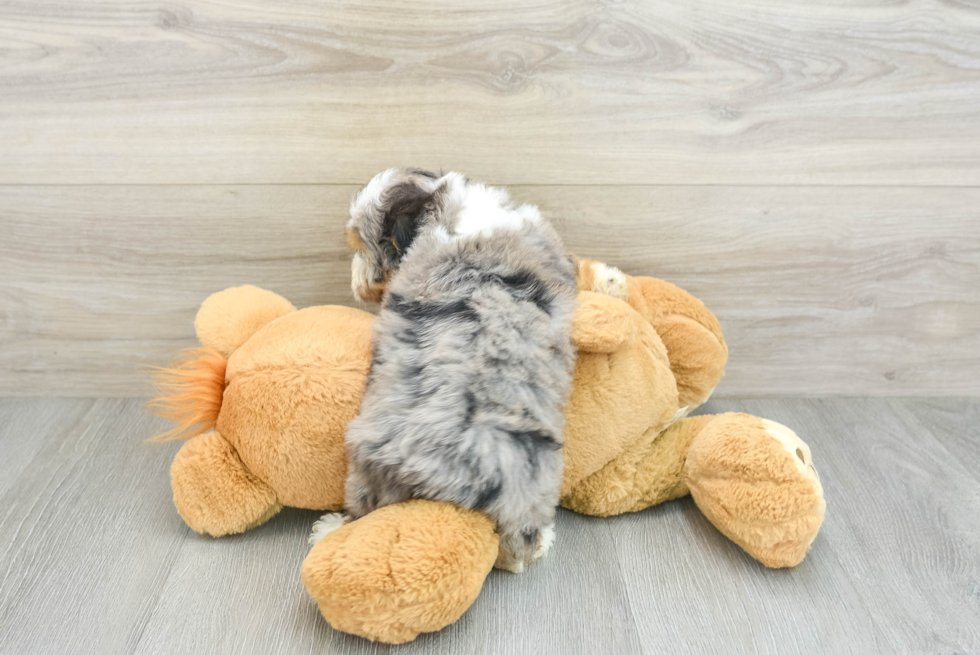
{"x":279,"y":387}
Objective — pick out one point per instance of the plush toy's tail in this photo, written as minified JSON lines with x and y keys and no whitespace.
{"x":189,"y":393}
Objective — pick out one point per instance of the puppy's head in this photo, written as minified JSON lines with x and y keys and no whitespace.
{"x":385,"y":217}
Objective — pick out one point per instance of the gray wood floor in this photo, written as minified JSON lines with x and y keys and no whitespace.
{"x":96,"y":560}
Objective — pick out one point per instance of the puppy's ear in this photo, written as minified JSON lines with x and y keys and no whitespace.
{"x":407,"y":206}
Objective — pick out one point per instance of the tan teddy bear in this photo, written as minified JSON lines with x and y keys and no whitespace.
{"x":279,"y":386}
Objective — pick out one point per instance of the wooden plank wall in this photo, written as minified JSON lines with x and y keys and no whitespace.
{"x":810,"y":169}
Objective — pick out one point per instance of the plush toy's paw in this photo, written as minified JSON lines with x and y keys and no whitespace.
{"x":327,"y":524}
{"x":610,"y":281}
{"x":601,"y":278}
{"x":602,"y":324}
{"x":796,"y":447}
{"x":755,"y":481}
{"x":401,"y":570}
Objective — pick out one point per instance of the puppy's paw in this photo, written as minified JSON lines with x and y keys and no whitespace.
{"x":516,"y":567}
{"x":507,"y":561}
{"x":547,"y":540}
{"x":327,"y":524}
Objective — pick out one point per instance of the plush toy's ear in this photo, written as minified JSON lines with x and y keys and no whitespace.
{"x":228,"y":318}
{"x":407,"y":207}
{"x":602,"y":324}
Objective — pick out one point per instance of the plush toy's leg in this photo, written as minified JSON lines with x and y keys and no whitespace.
{"x":213,"y":491}
{"x":648,"y":472}
{"x":401,"y":570}
{"x":755,"y":481}
{"x":228,"y":318}
{"x":752,"y":478}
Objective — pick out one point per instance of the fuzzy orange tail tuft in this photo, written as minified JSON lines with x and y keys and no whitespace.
{"x":189,"y":393}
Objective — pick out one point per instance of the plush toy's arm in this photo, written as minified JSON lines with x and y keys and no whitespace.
{"x":690,"y":332}
{"x":602,"y":324}
{"x":401,"y":570}
{"x":228,"y":318}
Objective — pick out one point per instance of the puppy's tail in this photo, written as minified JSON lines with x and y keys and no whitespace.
{"x":189,"y":393}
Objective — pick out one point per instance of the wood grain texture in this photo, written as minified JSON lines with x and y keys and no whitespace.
{"x":866,"y":290}
{"x":90,"y":543}
{"x":957,"y":428}
{"x":24,"y":430}
{"x":88,"y":539}
{"x":576,"y":91}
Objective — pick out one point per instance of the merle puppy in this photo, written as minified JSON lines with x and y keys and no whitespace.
{"x":472,"y":355}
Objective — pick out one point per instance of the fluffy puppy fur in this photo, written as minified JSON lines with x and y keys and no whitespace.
{"x":472,"y":354}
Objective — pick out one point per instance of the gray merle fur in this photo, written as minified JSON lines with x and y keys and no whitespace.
{"x":471,"y":370}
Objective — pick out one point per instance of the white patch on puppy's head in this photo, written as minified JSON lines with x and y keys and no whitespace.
{"x":486,"y":209}
{"x":370,"y":197}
